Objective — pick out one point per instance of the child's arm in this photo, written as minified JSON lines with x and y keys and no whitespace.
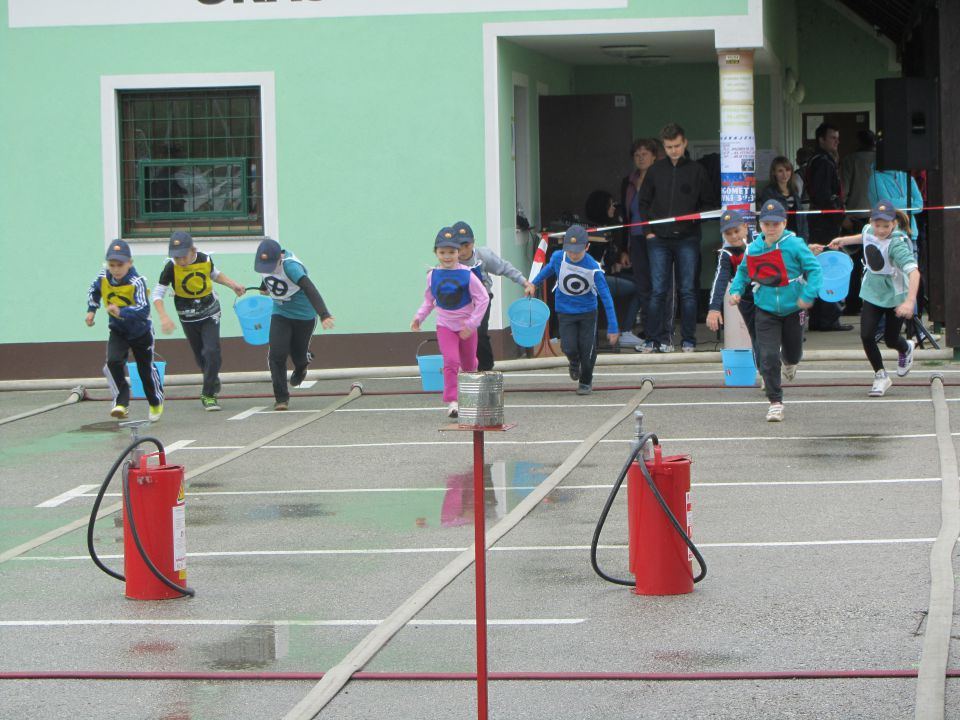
{"x":844,"y":240}
{"x":496,"y":265}
{"x":907,"y":307}
{"x":313,"y":295}
{"x":720,"y":281}
{"x":603,"y":290}
{"x":426,"y":307}
{"x":93,"y":300}
{"x":740,"y":280}
{"x":481,"y":300}
{"x":222,"y":279}
{"x":166,"y":324}
{"x":141,"y":302}
{"x":547,"y":271}
{"x":813,"y":274}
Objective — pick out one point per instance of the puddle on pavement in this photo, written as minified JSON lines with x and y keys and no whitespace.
{"x":106,"y":426}
{"x":256,"y":646}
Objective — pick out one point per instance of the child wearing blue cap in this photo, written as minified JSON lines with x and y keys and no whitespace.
{"x":296,"y":305}
{"x":124,"y":291}
{"x":580,"y":280}
{"x":786,"y":278}
{"x":891,"y":279}
{"x":735,"y":234}
{"x":191,"y":274}
{"x":484,"y":262}
{"x":461,"y":301}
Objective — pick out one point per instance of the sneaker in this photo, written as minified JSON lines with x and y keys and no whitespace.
{"x":775,"y":413}
{"x":453,"y":410}
{"x":297,"y":377}
{"x":280,"y":406}
{"x":665,"y":348}
{"x":155,"y":412}
{"x":881,"y":383}
{"x":628,"y":339}
{"x":120,"y":412}
{"x":789,"y":372}
{"x":905,"y":360}
{"x":574,"y":372}
{"x":647,"y":346}
{"x":209,"y":403}
{"x":584,"y":389}
{"x":688,"y":347}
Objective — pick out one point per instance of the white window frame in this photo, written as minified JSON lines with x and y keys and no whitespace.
{"x":112,"y":85}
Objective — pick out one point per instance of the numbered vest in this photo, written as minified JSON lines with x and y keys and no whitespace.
{"x":280,"y":287}
{"x":119,"y":295}
{"x":876,"y":255}
{"x":193,"y":281}
{"x":450,"y":288}
{"x":575,"y":280}
{"x":768,"y":269}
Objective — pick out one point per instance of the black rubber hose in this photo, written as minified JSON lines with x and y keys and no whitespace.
{"x":648,"y":437}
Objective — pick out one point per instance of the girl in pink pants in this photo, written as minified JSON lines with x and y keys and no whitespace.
{"x":461,"y":301}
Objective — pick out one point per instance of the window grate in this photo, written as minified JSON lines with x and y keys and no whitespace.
{"x":190,"y":160}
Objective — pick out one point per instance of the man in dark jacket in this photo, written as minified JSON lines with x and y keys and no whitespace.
{"x":674,"y":186}
{"x":822,"y":184}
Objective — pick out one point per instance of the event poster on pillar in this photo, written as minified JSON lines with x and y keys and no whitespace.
{"x":738,"y":158}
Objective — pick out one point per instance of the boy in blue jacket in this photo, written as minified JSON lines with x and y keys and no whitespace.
{"x":124,"y":291}
{"x":786,"y":278}
{"x":579,"y":280}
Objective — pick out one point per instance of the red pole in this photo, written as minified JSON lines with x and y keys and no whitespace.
{"x":480,"y":549}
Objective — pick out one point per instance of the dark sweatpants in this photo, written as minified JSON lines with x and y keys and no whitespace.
{"x":288,"y":338}
{"x":777,"y":337}
{"x":870,"y":316}
{"x":578,"y":340}
{"x":484,"y":349}
{"x":118,"y":349}
{"x":204,"y":338}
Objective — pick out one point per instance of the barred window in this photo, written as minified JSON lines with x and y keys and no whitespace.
{"x":191,"y":159}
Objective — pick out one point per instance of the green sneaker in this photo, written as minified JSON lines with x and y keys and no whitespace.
{"x":119,"y":412}
{"x":209,"y":403}
{"x":155,"y":412}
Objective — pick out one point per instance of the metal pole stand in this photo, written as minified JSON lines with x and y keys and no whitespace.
{"x":480,"y":555}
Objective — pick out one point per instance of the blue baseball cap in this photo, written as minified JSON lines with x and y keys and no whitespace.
{"x":883,"y":210}
{"x":463,"y":232}
{"x":180,"y":244}
{"x":575,"y":238}
{"x":772,"y":211}
{"x":447,"y":237}
{"x":730,"y":219}
{"x":268,"y":255}
{"x":118,"y":250}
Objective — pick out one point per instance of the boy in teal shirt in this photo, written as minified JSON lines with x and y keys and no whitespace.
{"x":786,"y":278}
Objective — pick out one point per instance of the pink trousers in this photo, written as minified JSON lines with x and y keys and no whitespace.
{"x":458,"y":354}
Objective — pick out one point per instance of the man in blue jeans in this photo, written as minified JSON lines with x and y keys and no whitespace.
{"x":674,"y":186}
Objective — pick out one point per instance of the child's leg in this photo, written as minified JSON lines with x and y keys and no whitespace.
{"x":115,"y":368}
{"x":769,"y":331}
{"x":449,"y":343}
{"x":212,"y":357}
{"x":469,"y":352}
{"x":587,"y":340}
{"x":569,"y":334}
{"x":484,"y":349}
{"x":891,"y":334}
{"x":748,"y":312}
{"x":194,"y":334}
{"x":870,"y":316}
{"x":300,"y":343}
{"x":281,"y":332}
{"x":791,"y":338}
{"x":142,"y":348}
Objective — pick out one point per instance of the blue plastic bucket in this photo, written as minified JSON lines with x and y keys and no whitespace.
{"x":836,"y":268}
{"x":528,"y":319}
{"x":739,"y":369}
{"x":254,"y":314}
{"x":431,"y":369}
{"x":136,"y":384}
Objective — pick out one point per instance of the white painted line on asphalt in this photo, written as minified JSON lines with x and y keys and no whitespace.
{"x":247,"y":413}
{"x":307,"y":384}
{"x":440,"y":408}
{"x":290,"y":623}
{"x":178,"y":445}
{"x":60,"y":499}
{"x":495,"y":548}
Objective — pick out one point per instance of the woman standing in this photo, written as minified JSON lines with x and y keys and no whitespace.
{"x":644,"y":152}
{"x":783,"y":188}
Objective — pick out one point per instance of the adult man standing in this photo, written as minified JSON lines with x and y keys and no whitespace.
{"x":674,"y":186}
{"x":822,"y":184}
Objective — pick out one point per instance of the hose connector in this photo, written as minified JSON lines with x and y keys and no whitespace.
{"x":638,"y":430}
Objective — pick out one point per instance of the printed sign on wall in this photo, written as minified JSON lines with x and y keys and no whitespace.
{"x":59,"y":13}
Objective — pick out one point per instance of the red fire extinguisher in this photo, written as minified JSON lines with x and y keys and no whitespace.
{"x":658,"y":520}
{"x":154,"y":530}
{"x":154,"y":524}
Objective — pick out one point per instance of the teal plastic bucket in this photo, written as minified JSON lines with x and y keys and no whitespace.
{"x":254,"y":314}
{"x":836,"y":266}
{"x":739,"y":369}
{"x":431,"y":369}
{"x":528,"y":319}
{"x":136,"y":384}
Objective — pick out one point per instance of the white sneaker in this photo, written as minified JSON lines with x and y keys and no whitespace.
{"x":881,"y":383}
{"x":775,"y":413}
{"x":453,"y":410}
{"x":789,"y":372}
{"x":905,"y":360}
{"x":665,"y":348}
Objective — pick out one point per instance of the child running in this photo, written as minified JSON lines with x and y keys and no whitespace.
{"x":124,"y":291}
{"x":889,"y":290}
{"x":296,"y":305}
{"x":461,"y":301}
{"x":484,"y":262}
{"x":735,"y":233}
{"x":786,"y":278}
{"x":191,"y":274}
{"x":579,"y":280}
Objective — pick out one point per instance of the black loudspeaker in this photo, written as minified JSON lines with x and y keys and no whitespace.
{"x":908,"y":124}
